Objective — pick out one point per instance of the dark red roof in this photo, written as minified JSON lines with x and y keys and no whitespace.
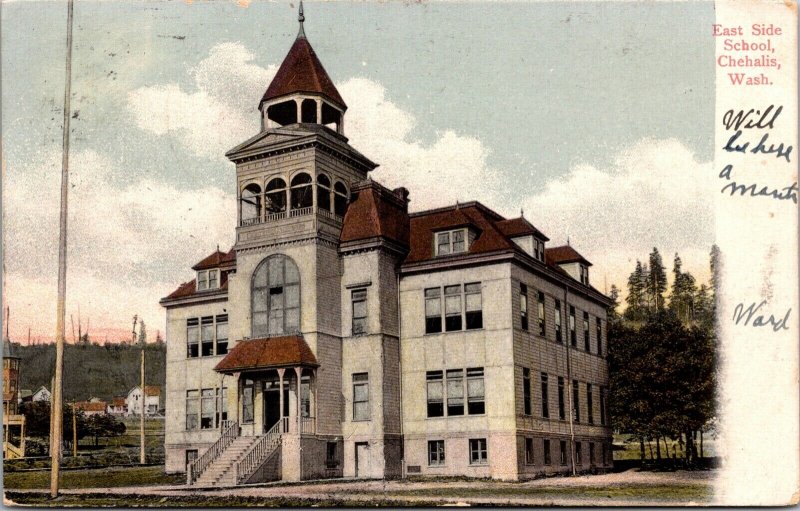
{"x":301,"y":71}
{"x":474,"y":215}
{"x":216,"y":260}
{"x":289,"y":350}
{"x":519,"y":227}
{"x":190,"y":288}
{"x":376,"y":212}
{"x":88,"y":406}
{"x":564,"y":255}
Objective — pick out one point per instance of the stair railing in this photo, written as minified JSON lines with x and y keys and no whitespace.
{"x":230,"y":431}
{"x":262,"y":450}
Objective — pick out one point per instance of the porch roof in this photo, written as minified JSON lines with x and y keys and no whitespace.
{"x":266,"y":353}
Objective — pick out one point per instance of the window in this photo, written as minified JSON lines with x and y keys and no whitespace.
{"x":563,"y":452}
{"x":207,"y":279}
{"x":323,"y":192}
{"x":558,"y":320}
{"x":276,"y":196}
{"x":208,"y":408}
{"x":452,"y":308}
{"x":578,"y":453}
{"x":275,"y":297}
{"x":192,"y":409}
{"x":538,"y":249}
{"x":436,"y":452}
{"x":477,"y":451}
{"x":433,"y":310}
{"x":600,"y":337}
{"x":591,"y":454}
{"x":545,"y":397}
{"x":451,"y":242}
{"x":247,"y":401}
{"x":584,"y":275}
{"x":526,"y":390}
{"x":586,"y":345}
{"x":192,"y":337}
{"x":576,"y":408}
{"x":523,"y":306}
{"x":529,"y":451}
{"x":339,"y":199}
{"x":360,"y":396}
{"x":541,"y":314}
{"x":222,"y":406}
{"x":207,"y":336}
{"x":359,"y":300}
{"x":546,"y":446}
{"x":191,"y":456}
{"x":561,"y":408}
{"x":305,"y":396}
{"x":589,"y":404}
{"x":435,"y":394}
{"x":222,"y":334}
{"x":474,"y":313}
{"x":251,"y":204}
{"x":603,"y":406}
{"x":301,"y":195}
{"x":455,"y":316}
{"x":573,"y":337}
{"x":475,"y":391}
{"x":455,"y":392}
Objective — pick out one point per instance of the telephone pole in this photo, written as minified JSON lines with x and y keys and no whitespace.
{"x":141,"y":422}
{"x":74,"y":432}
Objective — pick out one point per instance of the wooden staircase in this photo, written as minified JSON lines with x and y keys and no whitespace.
{"x":222,"y":471}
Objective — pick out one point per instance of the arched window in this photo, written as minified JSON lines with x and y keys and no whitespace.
{"x":251,"y":204}
{"x":323,"y":192}
{"x":276,"y":195}
{"x":276,"y":297}
{"x":339,"y":199}
{"x":301,"y":192}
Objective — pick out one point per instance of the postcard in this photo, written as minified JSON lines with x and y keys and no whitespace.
{"x":294,"y":254}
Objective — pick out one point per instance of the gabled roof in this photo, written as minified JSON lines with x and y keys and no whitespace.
{"x":215,"y":260}
{"x":301,"y":71}
{"x":514,"y":227}
{"x":376,"y":212}
{"x":119,"y":401}
{"x":152,"y":390}
{"x":564,"y":255}
{"x":89,"y":406}
{"x":285,"y":351}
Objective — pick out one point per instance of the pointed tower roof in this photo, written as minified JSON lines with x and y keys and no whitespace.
{"x":301,"y":71}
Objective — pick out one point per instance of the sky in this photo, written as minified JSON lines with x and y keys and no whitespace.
{"x":594,"y":119}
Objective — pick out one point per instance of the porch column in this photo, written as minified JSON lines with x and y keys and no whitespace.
{"x":319,"y":111}
{"x":314,"y":397}
{"x":299,"y":103}
{"x":298,"y":371}
{"x":280,"y":398}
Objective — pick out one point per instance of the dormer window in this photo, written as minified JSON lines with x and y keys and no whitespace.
{"x":207,"y":279}
{"x":538,"y":249}
{"x":584,"y":275}
{"x":451,"y":242}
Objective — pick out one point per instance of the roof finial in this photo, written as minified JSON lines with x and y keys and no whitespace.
{"x":301,"y":18}
{"x":568,"y":241}
{"x":521,"y":213}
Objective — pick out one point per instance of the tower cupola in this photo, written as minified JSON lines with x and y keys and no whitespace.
{"x":302,"y":91}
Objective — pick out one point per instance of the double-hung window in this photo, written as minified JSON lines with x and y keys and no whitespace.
{"x":546,"y":447}
{"x":360,"y":396}
{"x":599,"y":337}
{"x":222,"y":334}
{"x":603,"y":417}
{"x":578,"y":453}
{"x":207,"y":279}
{"x":452,"y":308}
{"x":523,"y":306}
{"x":576,"y":408}
{"x":476,"y":403}
{"x":359,"y":301}
{"x":436,"y":452}
{"x":192,"y":337}
{"x":563,"y":452}
{"x":526,"y":390}
{"x":529,"y":454}
{"x":208,"y":408}
{"x":222,"y":406}
{"x":586,"y":345}
{"x":561,"y":405}
{"x":207,"y":336}
{"x":591,"y":454}
{"x":573,"y":336}
{"x":192,"y":409}
{"x":248,"y":387}
{"x":451,"y":242}
{"x":455,"y":392}
{"x":478,"y":454}
{"x":435,"y":390}
{"x":558,"y":321}
{"x":545,"y":397}
{"x":474,"y":308}
{"x":433,"y":310}
{"x":589,"y":404}
{"x":540,"y":314}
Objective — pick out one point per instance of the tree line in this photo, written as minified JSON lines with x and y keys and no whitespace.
{"x":662,"y":355}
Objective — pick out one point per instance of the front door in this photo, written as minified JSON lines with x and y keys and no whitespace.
{"x":362,"y":459}
{"x":271,"y":409}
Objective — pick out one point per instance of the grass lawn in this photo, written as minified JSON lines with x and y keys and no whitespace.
{"x":92,"y":478}
{"x":632,"y":452}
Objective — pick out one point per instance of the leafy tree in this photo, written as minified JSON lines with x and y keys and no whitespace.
{"x":104,"y":426}
{"x":37,"y":418}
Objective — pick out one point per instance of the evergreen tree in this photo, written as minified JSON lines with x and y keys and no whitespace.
{"x":656,"y":281}
{"x":635,"y":300}
{"x":612,"y":314}
{"x":142,"y":332}
{"x":682,"y":296}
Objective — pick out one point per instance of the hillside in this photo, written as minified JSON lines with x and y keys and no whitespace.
{"x":92,"y":370}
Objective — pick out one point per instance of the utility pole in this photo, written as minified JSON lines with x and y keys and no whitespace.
{"x":57,"y":397}
{"x":74,"y":432}
{"x":141,"y":423}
